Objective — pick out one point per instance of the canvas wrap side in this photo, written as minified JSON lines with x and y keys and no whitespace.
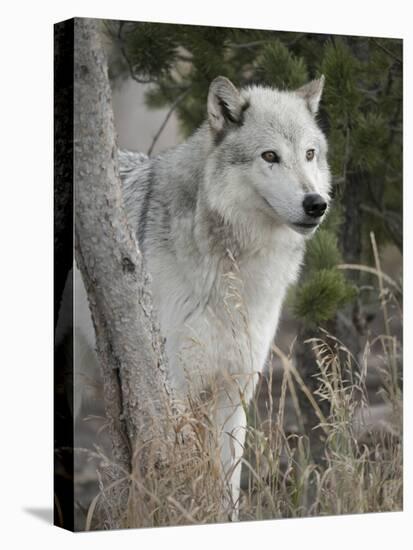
{"x":63,"y":275}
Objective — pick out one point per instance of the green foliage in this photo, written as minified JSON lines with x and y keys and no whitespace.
{"x":151,"y":49}
{"x":324,"y":288}
{"x":322,"y":251}
{"x":371,"y":137}
{"x":277,"y":66}
{"x":341,"y":95}
{"x":321,"y":295}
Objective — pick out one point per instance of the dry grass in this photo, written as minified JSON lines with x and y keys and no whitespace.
{"x":360,"y":468}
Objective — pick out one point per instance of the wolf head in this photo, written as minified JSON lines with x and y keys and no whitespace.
{"x":268,"y":160}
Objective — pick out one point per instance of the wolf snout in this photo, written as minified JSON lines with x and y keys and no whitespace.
{"x":314,"y":205}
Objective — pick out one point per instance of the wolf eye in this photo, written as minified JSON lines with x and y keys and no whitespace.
{"x":270,"y":156}
{"x":309,"y":155}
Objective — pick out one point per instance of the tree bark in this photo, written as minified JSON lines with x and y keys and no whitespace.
{"x":129,"y":346}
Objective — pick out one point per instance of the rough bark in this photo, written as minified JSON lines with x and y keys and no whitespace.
{"x":128,"y":344}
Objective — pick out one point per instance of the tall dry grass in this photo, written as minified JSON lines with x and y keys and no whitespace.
{"x":359,"y":470}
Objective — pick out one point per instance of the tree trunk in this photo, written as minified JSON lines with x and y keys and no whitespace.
{"x":350,"y":325}
{"x":308,"y":369}
{"x":129,"y":346}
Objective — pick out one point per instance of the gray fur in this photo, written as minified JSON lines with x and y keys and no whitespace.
{"x":216,"y":225}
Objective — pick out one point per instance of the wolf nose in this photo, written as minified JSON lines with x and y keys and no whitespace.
{"x":314,"y":205}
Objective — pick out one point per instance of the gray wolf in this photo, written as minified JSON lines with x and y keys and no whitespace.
{"x":222,"y":221}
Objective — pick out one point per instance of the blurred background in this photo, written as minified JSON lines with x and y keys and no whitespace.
{"x":350,"y":292}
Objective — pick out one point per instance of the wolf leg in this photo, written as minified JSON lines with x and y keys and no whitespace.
{"x":231,"y":421}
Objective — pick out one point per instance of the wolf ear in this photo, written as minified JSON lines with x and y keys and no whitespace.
{"x":311,"y":93}
{"x":225,"y":104}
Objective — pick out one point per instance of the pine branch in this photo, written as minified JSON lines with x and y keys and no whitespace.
{"x":125,"y":56}
{"x":387,"y":51}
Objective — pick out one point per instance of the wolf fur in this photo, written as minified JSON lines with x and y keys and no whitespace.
{"x":223,"y":233}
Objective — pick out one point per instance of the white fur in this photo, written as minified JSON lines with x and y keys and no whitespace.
{"x":221,"y":243}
